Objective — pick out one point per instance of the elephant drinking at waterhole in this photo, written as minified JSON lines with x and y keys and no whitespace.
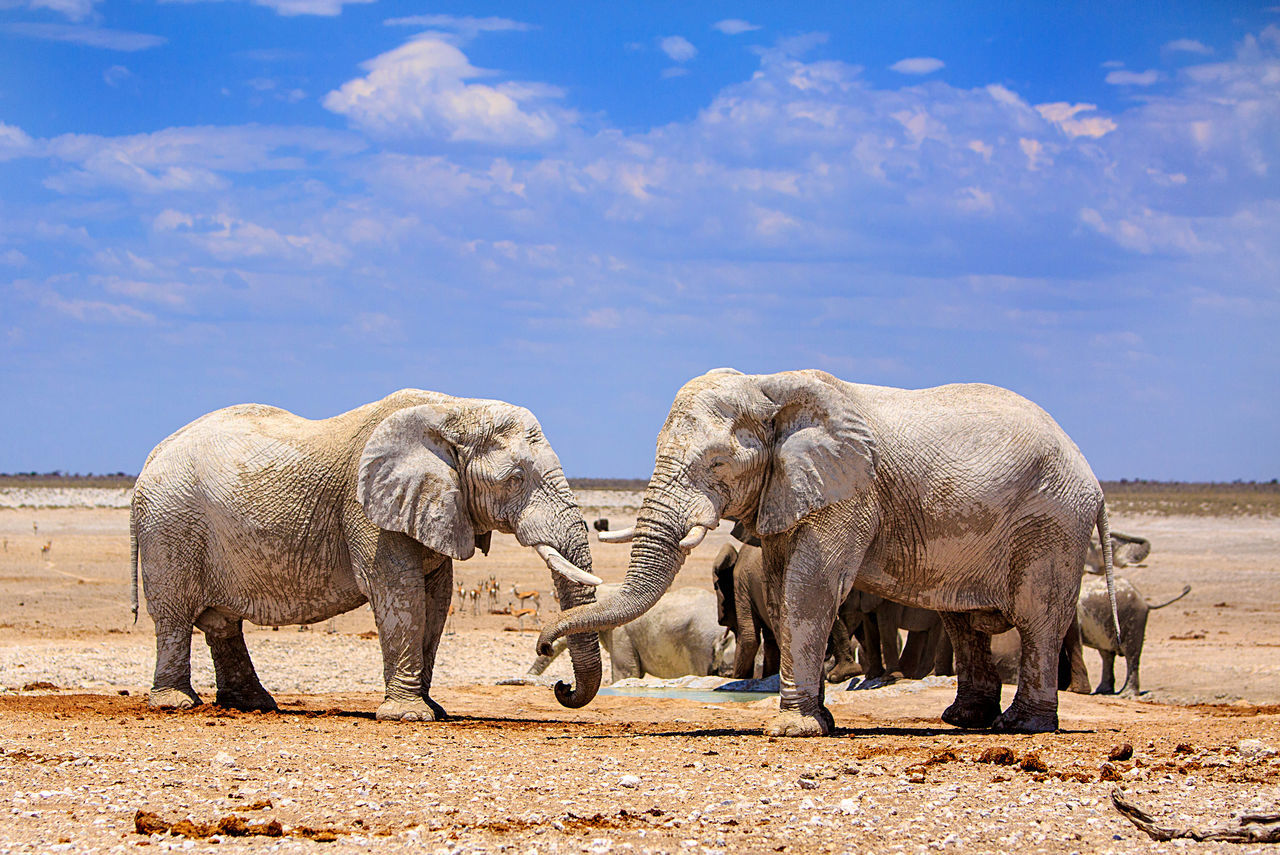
{"x":254,"y":513}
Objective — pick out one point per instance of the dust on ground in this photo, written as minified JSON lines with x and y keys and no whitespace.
{"x":81,"y":755}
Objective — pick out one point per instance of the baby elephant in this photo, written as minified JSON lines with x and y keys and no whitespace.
{"x":676,"y":637}
{"x":1094,"y":612}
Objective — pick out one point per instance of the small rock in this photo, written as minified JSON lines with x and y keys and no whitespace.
{"x":1120,"y":753}
{"x":808,"y":784}
{"x":1254,"y":748}
{"x":222,"y":758}
{"x":631,"y":781}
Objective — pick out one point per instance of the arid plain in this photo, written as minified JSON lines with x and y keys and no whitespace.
{"x":81,"y":755}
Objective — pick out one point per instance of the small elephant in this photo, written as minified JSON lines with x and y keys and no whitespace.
{"x":1125,"y":550}
{"x":738,"y":578}
{"x":1073,"y":676}
{"x":677,"y":637}
{"x":254,"y":513}
{"x":1094,"y":612}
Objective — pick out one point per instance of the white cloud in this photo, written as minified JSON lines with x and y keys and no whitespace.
{"x":1064,"y":115}
{"x":678,"y":48}
{"x":464,"y":25}
{"x":187,"y":159}
{"x":1122,"y":77}
{"x":1187,"y":46}
{"x":14,"y":142}
{"x":116,"y":75}
{"x":422,"y":89}
{"x":74,"y":10}
{"x":228,"y":238}
{"x":734,"y":26}
{"x":95,"y":37}
{"x":291,"y":8}
{"x":1035,"y":153}
{"x":917,"y":65}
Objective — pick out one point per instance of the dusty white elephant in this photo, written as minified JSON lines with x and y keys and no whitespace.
{"x":678,"y":636}
{"x":254,"y":513}
{"x":1133,"y":610}
{"x":964,"y":499}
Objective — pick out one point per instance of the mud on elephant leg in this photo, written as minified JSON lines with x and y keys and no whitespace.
{"x":806,"y":611}
{"x":238,"y":685}
{"x":977,"y":702}
{"x":399,"y":608}
{"x":171,"y":687}
{"x":438,"y":592}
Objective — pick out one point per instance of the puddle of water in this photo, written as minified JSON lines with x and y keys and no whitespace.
{"x":702,"y":696}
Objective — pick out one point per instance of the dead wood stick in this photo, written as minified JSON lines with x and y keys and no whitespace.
{"x":1249,"y":830}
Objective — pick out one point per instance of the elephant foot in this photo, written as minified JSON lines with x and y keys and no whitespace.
{"x":247,"y":700}
{"x":1130,"y":693}
{"x":1105,"y":689}
{"x":173,"y":699}
{"x":796,"y":723}
{"x":972,"y":714}
{"x":881,"y":681}
{"x":436,"y":709}
{"x":840,"y":673}
{"x":413,"y":710}
{"x":1013,"y":720}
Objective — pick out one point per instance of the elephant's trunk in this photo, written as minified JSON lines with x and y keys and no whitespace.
{"x":584,"y":649}
{"x":656,"y":556}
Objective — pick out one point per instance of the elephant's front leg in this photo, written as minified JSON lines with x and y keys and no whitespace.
{"x":397,"y":591}
{"x":438,"y":592}
{"x":806,"y":611}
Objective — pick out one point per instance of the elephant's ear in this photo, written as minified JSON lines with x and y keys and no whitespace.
{"x":722,"y":580}
{"x":408,"y":482}
{"x":823,"y":453}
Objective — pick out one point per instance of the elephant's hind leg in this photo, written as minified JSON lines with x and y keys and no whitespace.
{"x":238,"y":686}
{"x":171,"y":687}
{"x":977,"y":702}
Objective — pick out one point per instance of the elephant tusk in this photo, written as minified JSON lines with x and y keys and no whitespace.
{"x":694,"y":537}
{"x":566,"y":568}
{"x":622,"y":535}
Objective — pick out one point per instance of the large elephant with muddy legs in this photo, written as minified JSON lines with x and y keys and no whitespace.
{"x":964,"y":499}
{"x":254,"y":513}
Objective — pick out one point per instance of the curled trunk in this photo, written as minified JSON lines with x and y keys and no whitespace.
{"x":584,"y":649}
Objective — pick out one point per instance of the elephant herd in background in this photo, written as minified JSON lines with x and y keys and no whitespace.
{"x":866,"y":635}
{"x":963,"y":501}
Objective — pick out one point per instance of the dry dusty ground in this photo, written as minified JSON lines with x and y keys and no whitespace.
{"x":80,"y":757}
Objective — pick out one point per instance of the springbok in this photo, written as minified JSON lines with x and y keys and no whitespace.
{"x":521,"y":614}
{"x":524,"y":596}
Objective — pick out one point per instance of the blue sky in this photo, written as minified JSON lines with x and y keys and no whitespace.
{"x":578,"y":207}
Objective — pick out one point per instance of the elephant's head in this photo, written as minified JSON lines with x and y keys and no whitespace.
{"x":1125,"y":550}
{"x":765,"y":450}
{"x":448,"y":471}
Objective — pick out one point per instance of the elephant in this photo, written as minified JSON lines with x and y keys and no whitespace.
{"x":254,"y":513}
{"x":874,"y":622}
{"x":678,"y":636}
{"x":1133,"y":608}
{"x":1125,"y":550}
{"x":965,"y":499}
{"x":738,"y":578}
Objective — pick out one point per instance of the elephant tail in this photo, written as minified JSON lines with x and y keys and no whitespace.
{"x":133,"y":555}
{"x":1104,"y":537}
{"x":1186,"y":589}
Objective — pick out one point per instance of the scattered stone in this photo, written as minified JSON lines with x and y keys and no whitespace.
{"x":630,"y":781}
{"x":1120,"y":753}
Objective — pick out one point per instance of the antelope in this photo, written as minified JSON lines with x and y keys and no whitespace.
{"x":474,"y":596}
{"x":523,"y":596}
{"x":491,"y":587}
{"x":521,"y":614}
{"x":48,"y":545}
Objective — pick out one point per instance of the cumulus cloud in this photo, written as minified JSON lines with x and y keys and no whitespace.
{"x":1123,"y":77}
{"x":95,"y":37}
{"x":14,"y":142}
{"x":75,"y":10}
{"x":917,"y":65}
{"x":734,"y":26}
{"x":424,"y":89}
{"x":1065,"y":116}
{"x":678,"y":48}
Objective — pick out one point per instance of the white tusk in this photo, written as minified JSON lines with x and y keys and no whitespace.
{"x":694,"y":537}
{"x":622,"y":535}
{"x":566,"y":568}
